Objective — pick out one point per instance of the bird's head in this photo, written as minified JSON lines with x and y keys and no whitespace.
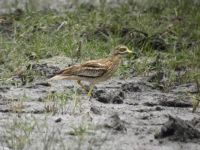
{"x":121,"y":50}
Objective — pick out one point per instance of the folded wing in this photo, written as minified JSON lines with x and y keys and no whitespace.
{"x":89,"y":69}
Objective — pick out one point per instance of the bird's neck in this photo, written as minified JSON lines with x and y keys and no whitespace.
{"x":116,"y":58}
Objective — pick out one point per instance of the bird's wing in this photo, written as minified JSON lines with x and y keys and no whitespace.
{"x":93,"y":68}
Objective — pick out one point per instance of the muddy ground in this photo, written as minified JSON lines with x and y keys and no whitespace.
{"x":127,"y":113}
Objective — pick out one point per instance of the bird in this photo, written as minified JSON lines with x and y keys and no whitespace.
{"x":94,"y":71}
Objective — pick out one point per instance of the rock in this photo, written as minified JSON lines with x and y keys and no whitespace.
{"x":115,"y":123}
{"x":58,"y":120}
{"x":158,"y":108}
{"x":178,"y":130}
{"x":95,"y":110}
{"x":150,"y":104}
{"x":111,"y":96}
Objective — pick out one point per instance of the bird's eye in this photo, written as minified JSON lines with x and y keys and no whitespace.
{"x":123,"y":49}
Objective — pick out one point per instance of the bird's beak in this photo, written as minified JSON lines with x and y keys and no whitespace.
{"x":129,"y":51}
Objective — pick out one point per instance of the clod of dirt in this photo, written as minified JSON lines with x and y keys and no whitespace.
{"x":95,"y":110}
{"x":178,"y":130}
{"x":37,"y":85}
{"x":133,"y":36}
{"x":105,"y":96}
{"x":185,"y":88}
{"x":114,"y":122}
{"x":158,"y":108}
{"x":135,"y":87}
{"x":130,"y":87}
{"x":44,"y":84}
{"x":150,"y":104}
{"x":4,"y":89}
{"x":174,"y":102}
{"x":196,"y":122}
{"x":156,"y":77}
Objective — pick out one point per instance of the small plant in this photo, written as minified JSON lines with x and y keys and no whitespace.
{"x":195,"y":98}
{"x":17,"y":106}
{"x":17,"y":134}
{"x":195,"y":102}
{"x":57,"y":101}
{"x":80,"y":132}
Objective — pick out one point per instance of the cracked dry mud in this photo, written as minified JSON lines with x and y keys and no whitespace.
{"x":121,"y":114}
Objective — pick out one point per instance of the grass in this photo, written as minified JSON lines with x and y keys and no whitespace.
{"x":21,"y":132}
{"x":164,"y":35}
{"x":55,"y":102}
{"x":17,"y":134}
{"x":32,"y":36}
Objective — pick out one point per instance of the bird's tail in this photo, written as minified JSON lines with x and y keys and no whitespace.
{"x":57,"y":77}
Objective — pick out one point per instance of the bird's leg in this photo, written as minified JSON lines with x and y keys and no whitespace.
{"x":83,"y":86}
{"x":91,"y":89}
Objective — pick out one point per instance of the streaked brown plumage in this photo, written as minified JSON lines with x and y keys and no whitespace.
{"x":94,"y":71}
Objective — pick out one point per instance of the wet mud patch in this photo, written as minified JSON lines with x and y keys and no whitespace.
{"x":176,"y":129}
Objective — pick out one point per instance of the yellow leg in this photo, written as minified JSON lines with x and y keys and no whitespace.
{"x":83,"y":86}
{"x":91,"y":89}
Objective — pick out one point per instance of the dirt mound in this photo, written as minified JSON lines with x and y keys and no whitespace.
{"x":176,"y":129}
